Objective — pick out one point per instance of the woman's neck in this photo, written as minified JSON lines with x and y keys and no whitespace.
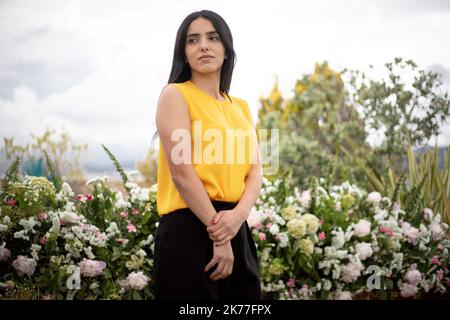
{"x":209,"y":84}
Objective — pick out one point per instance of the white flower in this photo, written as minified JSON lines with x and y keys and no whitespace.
{"x":284,"y":239}
{"x":91,"y":268}
{"x":338,"y":239}
{"x":351,"y":271}
{"x":343,"y":295}
{"x":427,"y":214}
{"x":24,"y":265}
{"x":305,"y":199}
{"x":362,"y":228}
{"x":374,"y":198}
{"x":274,"y":229}
{"x":21,"y":235}
{"x":56,"y":225}
{"x":364,"y":250}
{"x":327,"y":285}
{"x":5,"y":253}
{"x":413,"y":277}
{"x":141,"y":253}
{"x":408,"y":290}
{"x":436,"y":230}
{"x":254,"y":218}
{"x":88,"y":252}
{"x":137,"y":280}
{"x":410,"y":233}
{"x":69,"y":217}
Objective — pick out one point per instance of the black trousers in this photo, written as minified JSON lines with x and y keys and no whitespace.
{"x":182,"y":251}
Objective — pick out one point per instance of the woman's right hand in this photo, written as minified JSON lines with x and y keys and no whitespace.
{"x":223,"y":257}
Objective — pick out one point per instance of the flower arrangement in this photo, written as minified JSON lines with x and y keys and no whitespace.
{"x":57,"y":245}
{"x":326,"y":242}
{"x":340,"y":242}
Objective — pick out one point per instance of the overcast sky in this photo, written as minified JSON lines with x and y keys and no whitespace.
{"x":96,"y":68}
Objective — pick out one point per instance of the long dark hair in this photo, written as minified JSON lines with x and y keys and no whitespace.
{"x":181,"y":71}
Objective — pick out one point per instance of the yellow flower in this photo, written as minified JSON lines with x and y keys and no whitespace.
{"x":312,"y":223}
{"x":306,"y":246}
{"x":288,"y":213}
{"x":276,"y":268}
{"x":296,"y":228}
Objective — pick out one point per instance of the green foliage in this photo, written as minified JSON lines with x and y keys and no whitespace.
{"x":406,"y":104}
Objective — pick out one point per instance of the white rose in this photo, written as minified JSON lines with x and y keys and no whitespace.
{"x":274,"y":229}
{"x":350,"y":272}
{"x":413,"y":277}
{"x":364,"y":250}
{"x":374,"y":198}
{"x":362,"y":228}
{"x":24,"y":265}
{"x":137,"y":280}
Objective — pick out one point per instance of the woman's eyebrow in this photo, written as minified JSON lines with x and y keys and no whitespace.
{"x":207,"y":33}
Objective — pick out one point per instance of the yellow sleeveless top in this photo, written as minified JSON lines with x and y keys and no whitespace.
{"x":221,"y":157}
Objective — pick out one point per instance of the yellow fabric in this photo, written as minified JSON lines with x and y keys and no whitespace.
{"x":222,"y":181}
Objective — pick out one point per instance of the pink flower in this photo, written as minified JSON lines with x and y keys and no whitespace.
{"x":24,"y":265}
{"x":89,"y":197}
{"x":81,"y":198}
{"x":131,"y":228}
{"x":11,"y":202}
{"x":91,"y":268}
{"x":291,"y":283}
{"x":383,"y":229}
{"x":5,"y":253}
{"x":124,"y":214}
{"x":262,"y":236}
{"x":42,"y":216}
{"x":43,"y":241}
{"x":440,"y":274}
{"x":408,"y":290}
{"x":391,"y":233}
{"x":435,"y":260}
{"x":440,"y":247}
{"x":134,"y":211}
{"x":269,"y":225}
{"x":322,"y":236}
{"x":321,"y":221}
{"x":413,"y":277}
{"x":447,"y":280}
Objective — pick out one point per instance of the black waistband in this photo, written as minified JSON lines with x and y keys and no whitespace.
{"x":218,"y":205}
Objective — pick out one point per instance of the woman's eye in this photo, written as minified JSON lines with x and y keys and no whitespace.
{"x":214,"y":38}
{"x":192,"y":40}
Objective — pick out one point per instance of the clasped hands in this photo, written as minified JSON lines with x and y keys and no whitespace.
{"x":225,"y":226}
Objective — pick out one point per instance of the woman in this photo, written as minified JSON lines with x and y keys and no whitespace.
{"x":203,"y":246}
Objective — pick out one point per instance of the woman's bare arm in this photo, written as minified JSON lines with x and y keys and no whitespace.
{"x":171,"y":114}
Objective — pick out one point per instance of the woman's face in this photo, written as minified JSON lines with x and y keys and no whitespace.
{"x":204,"y":49}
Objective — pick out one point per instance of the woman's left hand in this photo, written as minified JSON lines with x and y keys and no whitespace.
{"x":226,"y":225}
